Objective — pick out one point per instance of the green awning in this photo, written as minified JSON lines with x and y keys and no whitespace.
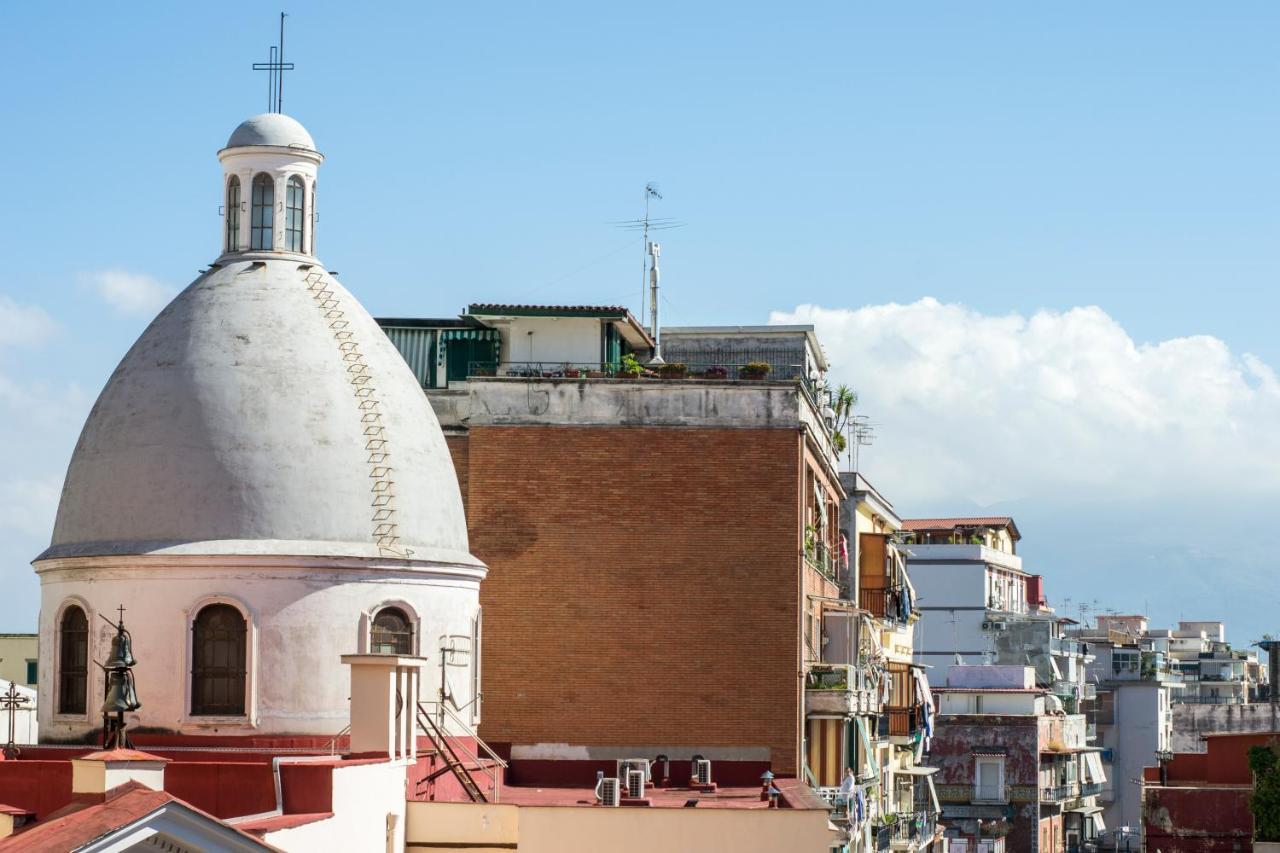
{"x":470,"y":335}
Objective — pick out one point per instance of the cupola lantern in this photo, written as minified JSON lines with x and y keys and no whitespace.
{"x":269,"y":188}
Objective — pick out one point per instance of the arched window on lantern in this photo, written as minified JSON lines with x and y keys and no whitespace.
{"x":218,"y":653}
{"x":262,"y":217}
{"x":73,"y":661}
{"x":295,"y":215}
{"x":233,"y":214}
{"x":391,"y":633}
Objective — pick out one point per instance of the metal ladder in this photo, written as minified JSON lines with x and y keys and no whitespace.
{"x":452,"y":762}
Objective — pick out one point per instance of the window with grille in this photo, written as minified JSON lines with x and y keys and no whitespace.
{"x":264,"y":202}
{"x":233,"y":214}
{"x":294,"y":204}
{"x":392,"y":633}
{"x":218,"y":662}
{"x":73,"y":661}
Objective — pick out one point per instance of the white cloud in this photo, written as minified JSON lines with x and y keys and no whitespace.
{"x":1058,"y":406}
{"x":24,"y":325}
{"x":130,"y":292}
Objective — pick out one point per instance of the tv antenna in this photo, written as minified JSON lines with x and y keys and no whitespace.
{"x":863,"y":434}
{"x":275,"y":69}
{"x":644,"y":226}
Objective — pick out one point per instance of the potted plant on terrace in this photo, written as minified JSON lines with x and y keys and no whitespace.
{"x":755,"y":370}
{"x":673,"y":370}
{"x":570,"y":372}
{"x":715,"y":373}
{"x":629,"y":367}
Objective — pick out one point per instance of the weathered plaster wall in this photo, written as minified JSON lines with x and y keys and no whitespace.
{"x":1192,"y":722}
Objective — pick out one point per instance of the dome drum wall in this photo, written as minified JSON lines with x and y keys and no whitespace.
{"x":301,"y":617}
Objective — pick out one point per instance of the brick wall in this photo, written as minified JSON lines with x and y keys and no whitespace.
{"x":643,"y":585}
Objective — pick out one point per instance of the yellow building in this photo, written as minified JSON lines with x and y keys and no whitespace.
{"x":18,"y":658}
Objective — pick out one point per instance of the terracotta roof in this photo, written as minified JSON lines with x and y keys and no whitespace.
{"x":488,"y":307}
{"x":953,"y":523}
{"x":84,"y":820}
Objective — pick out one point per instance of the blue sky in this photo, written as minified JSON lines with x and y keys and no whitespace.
{"x":1006,"y":160}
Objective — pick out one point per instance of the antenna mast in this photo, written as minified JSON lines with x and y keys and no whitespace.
{"x":650,"y":192}
{"x":655,"y":251}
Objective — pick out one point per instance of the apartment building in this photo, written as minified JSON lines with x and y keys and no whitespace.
{"x":1015,"y":770}
{"x":897,"y":804}
{"x":663,"y":541}
{"x":1213,"y":673}
{"x":1132,"y":712}
{"x":979,"y":605}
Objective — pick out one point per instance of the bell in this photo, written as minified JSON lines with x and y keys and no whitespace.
{"x":121,"y":652}
{"x":120,"y":694}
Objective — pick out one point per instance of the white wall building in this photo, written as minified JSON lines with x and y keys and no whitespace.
{"x":262,"y":487}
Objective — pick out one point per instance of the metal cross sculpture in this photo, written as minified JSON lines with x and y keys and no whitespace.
{"x":276,"y":66}
{"x":12,"y":701}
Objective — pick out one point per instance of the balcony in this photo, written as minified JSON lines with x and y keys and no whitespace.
{"x":1060,"y":793}
{"x":1090,"y":789}
{"x":912,"y":830}
{"x":882,"y":603}
{"x":843,"y":689}
{"x":821,"y":557}
{"x":899,"y":722}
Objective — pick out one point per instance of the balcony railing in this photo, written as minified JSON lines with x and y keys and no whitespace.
{"x":1089,"y":789}
{"x":882,"y":603}
{"x":899,"y":722}
{"x":1208,"y":700}
{"x":1058,"y":793}
{"x":615,"y":370}
{"x":823,"y":558}
{"x":913,"y":827}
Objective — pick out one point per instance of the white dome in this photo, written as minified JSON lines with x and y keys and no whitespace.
{"x":271,"y":129}
{"x":263,"y":412}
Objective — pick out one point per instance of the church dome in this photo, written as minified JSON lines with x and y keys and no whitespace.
{"x":275,"y":129}
{"x":263,"y":412}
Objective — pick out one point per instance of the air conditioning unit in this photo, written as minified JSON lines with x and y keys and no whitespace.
{"x":995,"y":626}
{"x":702,"y":771}
{"x":626,"y":765}
{"x":608,"y":792}
{"x":635,"y":784}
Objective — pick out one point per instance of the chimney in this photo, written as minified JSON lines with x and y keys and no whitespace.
{"x":97,"y":773}
{"x":384,"y":704}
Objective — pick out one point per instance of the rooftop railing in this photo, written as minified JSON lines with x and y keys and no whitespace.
{"x":752,"y":371}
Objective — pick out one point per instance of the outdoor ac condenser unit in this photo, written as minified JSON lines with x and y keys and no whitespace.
{"x":635,"y":784}
{"x":626,"y":765}
{"x":702,"y":771}
{"x":608,"y":791}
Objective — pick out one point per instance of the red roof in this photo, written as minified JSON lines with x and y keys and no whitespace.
{"x":75,"y":825}
{"x":966,"y":522}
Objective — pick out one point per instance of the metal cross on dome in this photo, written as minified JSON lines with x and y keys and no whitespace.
{"x":276,"y":67}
